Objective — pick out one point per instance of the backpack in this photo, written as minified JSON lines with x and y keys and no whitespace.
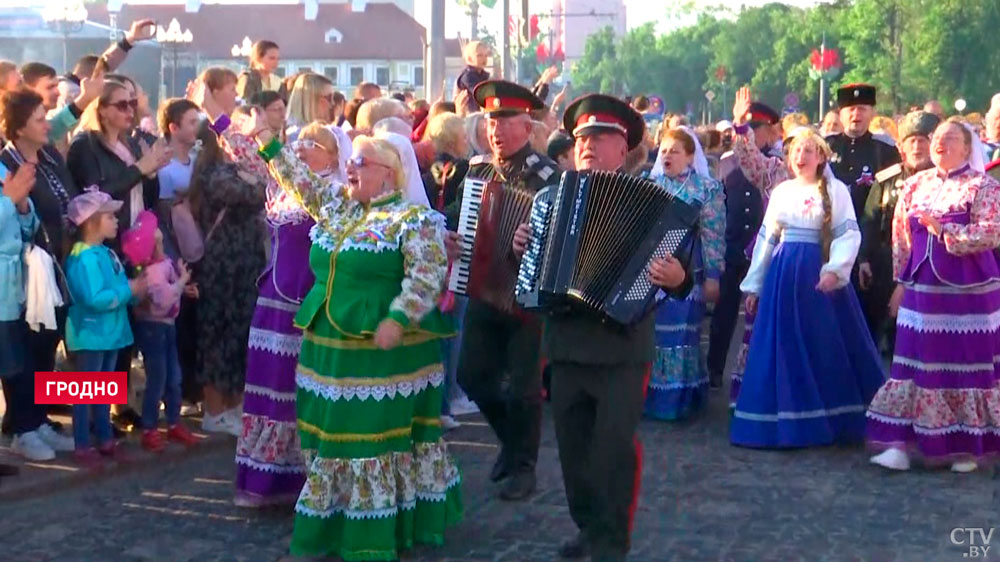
{"x":190,"y":242}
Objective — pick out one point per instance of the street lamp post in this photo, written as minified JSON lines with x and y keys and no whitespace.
{"x":66,"y":17}
{"x":243,"y":49}
{"x":173,"y":35}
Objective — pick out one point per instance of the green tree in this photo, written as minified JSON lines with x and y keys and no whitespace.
{"x":596,"y":70}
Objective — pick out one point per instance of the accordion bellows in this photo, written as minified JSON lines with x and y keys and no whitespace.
{"x":593,"y":238}
{"x":487,"y":268}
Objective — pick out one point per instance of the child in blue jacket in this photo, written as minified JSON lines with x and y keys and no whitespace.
{"x":97,"y":326}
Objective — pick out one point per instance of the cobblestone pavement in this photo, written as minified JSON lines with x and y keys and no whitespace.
{"x":702,"y":500}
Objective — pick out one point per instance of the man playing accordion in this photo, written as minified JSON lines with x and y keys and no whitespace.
{"x":600,"y":369}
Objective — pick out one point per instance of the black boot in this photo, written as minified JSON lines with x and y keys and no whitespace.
{"x":519,"y":486}
{"x":575,"y":548}
{"x":500,"y":469}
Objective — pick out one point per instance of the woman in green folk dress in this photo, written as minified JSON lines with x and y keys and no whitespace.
{"x":380,"y":478}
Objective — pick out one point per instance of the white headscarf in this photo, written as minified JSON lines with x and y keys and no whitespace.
{"x":471,"y":124}
{"x":413,"y":191}
{"x":977,"y":157}
{"x":393,"y":125}
{"x":344,"y":149}
{"x":700,"y":163}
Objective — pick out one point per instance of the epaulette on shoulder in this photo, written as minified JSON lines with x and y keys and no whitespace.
{"x":888,"y":173}
{"x":481,"y":159}
{"x":884,"y":138}
{"x":541,"y":166}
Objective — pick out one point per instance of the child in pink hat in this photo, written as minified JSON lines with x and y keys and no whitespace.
{"x":97,"y":325}
{"x":155,"y":332}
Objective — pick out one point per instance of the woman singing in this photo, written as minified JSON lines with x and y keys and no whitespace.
{"x":379,"y":476}
{"x":812,"y":367}
{"x":943,"y":401}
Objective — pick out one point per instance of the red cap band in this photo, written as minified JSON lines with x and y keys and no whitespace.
{"x":506,"y":104}
{"x":606,"y":120}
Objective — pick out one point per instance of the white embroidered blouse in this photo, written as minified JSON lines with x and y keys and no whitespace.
{"x":795,"y":214}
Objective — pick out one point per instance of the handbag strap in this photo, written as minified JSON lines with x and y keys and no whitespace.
{"x":218,"y":221}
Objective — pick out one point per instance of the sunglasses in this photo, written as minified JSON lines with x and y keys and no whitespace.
{"x":362,"y":162}
{"x":125,"y":105}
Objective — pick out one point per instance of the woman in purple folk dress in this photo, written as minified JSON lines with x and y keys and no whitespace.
{"x":942,"y":402}
{"x":270,"y":469}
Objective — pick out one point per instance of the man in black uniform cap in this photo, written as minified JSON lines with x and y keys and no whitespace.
{"x":599,"y":369}
{"x":857,"y":155}
{"x":875,"y":256}
{"x":493,"y":341}
{"x":744,"y":213}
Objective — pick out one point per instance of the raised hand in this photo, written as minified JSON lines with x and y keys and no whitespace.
{"x":141,"y":30}
{"x":741,"y":105}
{"x":549,"y":74}
{"x":253,"y":125}
{"x":154,"y":157}
{"x":18,"y":185}
{"x":90,"y":89}
{"x":200,"y":95}
{"x":460,"y":102}
{"x":560,"y":97}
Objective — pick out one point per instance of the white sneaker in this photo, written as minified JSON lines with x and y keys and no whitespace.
{"x":462,"y":406}
{"x":57,"y":441}
{"x":188,"y":409}
{"x":234,"y":418}
{"x":968,"y":466}
{"x":216,"y":424}
{"x":893,"y":459}
{"x":448,"y":423}
{"x":31,"y":446}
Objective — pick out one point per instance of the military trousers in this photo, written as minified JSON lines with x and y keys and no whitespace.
{"x":494,"y":345}
{"x":724,"y":317}
{"x":596,"y":409}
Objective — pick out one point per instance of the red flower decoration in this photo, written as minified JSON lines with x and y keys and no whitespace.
{"x":559,"y":55}
{"x":542,"y":52}
{"x":829,"y":59}
{"x":533,"y":30}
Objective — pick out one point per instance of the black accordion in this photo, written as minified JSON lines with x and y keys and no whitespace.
{"x":593,"y":238}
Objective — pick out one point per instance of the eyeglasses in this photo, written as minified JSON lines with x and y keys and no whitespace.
{"x":309,"y":143}
{"x":362,"y":162}
{"x":125,"y":105}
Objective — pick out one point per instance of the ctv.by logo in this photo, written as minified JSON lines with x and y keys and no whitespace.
{"x":977,"y":539}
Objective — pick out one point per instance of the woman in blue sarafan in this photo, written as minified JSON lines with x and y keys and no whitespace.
{"x":812,"y":368}
{"x":679,"y":381}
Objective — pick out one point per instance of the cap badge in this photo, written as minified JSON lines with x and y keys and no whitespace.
{"x":593,"y":119}
{"x":496,"y":102}
{"x":857,"y":93}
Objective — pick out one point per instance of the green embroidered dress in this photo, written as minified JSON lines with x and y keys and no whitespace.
{"x":380,"y":478}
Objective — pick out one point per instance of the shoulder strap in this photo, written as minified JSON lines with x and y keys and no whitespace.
{"x":218,"y":221}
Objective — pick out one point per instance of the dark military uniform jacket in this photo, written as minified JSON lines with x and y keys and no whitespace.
{"x":526,"y":169}
{"x":876,"y":220}
{"x":855,"y":161}
{"x":583,"y":336}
